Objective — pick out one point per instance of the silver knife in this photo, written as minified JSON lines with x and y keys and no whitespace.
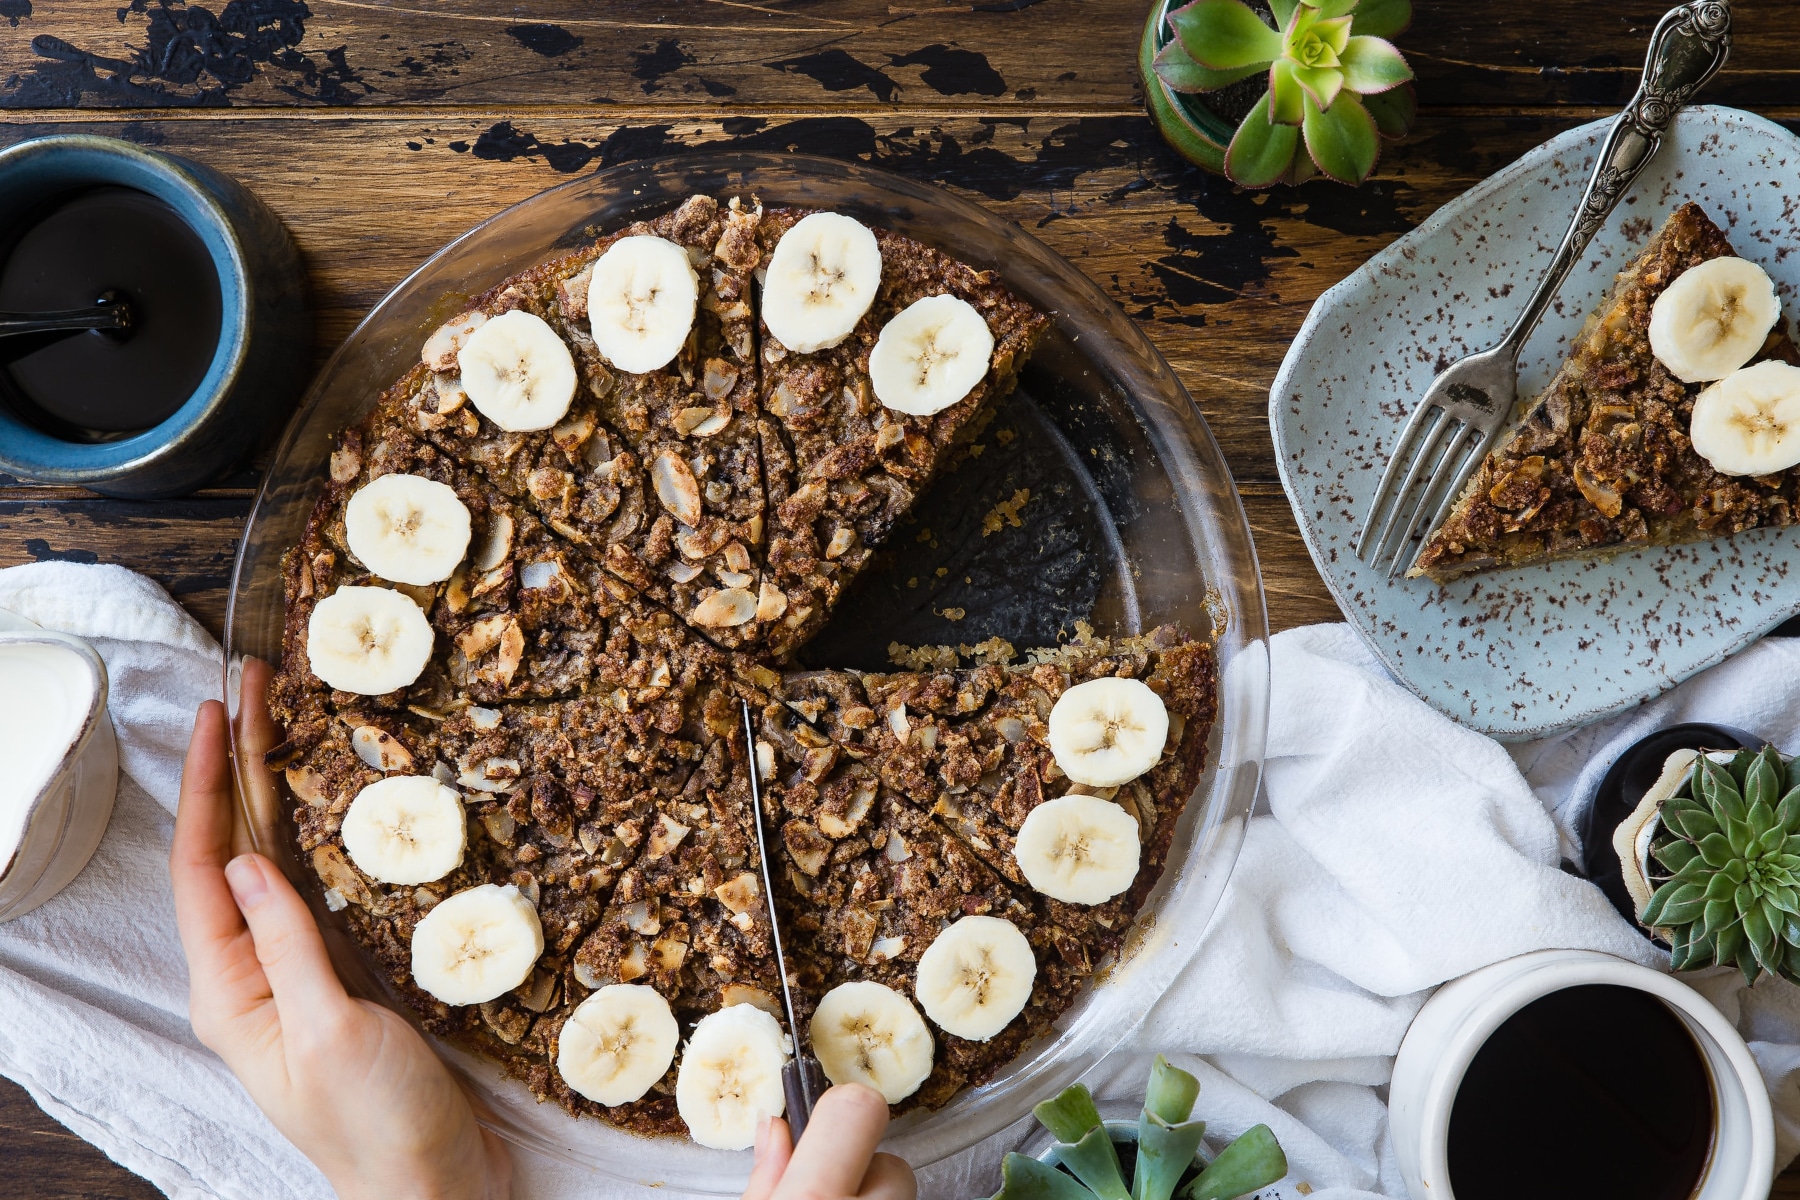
{"x":803,"y":1079}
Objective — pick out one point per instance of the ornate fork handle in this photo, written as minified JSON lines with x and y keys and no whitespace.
{"x":1688,"y":48}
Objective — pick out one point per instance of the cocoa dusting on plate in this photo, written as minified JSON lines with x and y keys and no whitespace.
{"x":593,"y":728}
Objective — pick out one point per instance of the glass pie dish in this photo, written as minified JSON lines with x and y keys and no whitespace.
{"x":1161,"y":537}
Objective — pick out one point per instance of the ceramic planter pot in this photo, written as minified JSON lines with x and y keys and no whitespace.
{"x":1196,"y":132}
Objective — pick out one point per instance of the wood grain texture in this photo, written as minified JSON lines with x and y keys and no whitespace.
{"x":718,"y":55}
{"x":40,"y":1160}
{"x":379,"y":131}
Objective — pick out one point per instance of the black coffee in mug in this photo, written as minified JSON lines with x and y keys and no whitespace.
{"x":1589,"y":1092}
{"x":123,"y":244}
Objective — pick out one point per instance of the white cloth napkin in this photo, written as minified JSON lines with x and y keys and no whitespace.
{"x":1398,"y":850}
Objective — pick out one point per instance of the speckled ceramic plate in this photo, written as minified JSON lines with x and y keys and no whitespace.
{"x":1522,"y":653}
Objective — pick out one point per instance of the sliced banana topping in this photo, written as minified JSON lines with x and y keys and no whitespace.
{"x":864,"y":1032}
{"x":976,"y":977}
{"x":368,"y":640}
{"x":641,"y":302}
{"x":1713,"y":319}
{"x":407,"y":528}
{"x":730,"y":1076}
{"x":1106,"y":732}
{"x":820,"y":281}
{"x":405,"y":829}
{"x":930,"y":355}
{"x":1748,"y":423}
{"x":477,"y":945}
{"x":517,"y":372}
{"x":617,"y":1043}
{"x":1078,"y":849}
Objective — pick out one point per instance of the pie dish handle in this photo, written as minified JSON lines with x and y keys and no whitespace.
{"x":1688,"y":48}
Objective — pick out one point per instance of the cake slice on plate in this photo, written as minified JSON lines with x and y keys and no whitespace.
{"x":1653,"y":432}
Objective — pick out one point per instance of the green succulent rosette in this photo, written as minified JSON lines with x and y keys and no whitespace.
{"x":1336,"y":85}
{"x":1729,"y":851}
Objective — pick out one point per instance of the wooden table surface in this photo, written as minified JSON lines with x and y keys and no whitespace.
{"x":378,"y":131}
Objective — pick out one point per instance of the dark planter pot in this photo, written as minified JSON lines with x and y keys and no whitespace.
{"x":1196,"y":132}
{"x":265,"y":336}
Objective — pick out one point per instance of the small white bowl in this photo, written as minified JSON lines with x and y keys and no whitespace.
{"x":51,"y":822}
{"x":1465,"y":1012}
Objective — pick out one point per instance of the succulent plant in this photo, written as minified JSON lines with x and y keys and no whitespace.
{"x":1336,"y":84}
{"x":1730,"y":840}
{"x":1167,"y":1142}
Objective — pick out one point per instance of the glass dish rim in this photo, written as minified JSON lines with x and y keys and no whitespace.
{"x":1209,"y":835}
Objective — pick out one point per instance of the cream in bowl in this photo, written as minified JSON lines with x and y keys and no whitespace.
{"x":56,"y":795}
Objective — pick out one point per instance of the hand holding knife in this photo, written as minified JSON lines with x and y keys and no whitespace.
{"x":802,"y":1080}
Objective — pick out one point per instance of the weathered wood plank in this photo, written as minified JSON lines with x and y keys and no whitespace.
{"x":704,"y":54}
{"x":40,"y":1160}
{"x":708,"y":55}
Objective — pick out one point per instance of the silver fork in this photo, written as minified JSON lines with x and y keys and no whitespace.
{"x":1459,"y":420}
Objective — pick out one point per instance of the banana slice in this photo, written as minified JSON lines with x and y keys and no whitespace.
{"x":517,"y":372}
{"x":866,"y":1033}
{"x":975,"y":977}
{"x":1106,"y":732}
{"x":730,"y":1076}
{"x":1078,"y":849}
{"x":820,"y":281}
{"x":407,"y":528}
{"x":405,"y":829}
{"x":1748,"y":423}
{"x":368,"y":640}
{"x":641,"y":302}
{"x":617,"y":1043}
{"x":477,"y":945}
{"x":1713,"y":319}
{"x":930,"y":355}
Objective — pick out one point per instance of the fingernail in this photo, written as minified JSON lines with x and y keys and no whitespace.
{"x":246,"y":880}
{"x":762,"y":1137}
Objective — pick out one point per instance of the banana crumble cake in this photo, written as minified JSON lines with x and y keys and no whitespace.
{"x":543,"y":575}
{"x":1654,"y":431}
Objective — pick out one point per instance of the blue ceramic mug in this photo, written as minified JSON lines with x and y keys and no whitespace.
{"x":265,"y":332}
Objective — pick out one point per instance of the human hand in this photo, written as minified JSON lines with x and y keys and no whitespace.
{"x":836,"y":1157}
{"x":352,"y":1085}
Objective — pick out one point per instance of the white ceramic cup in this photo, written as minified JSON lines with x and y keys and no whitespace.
{"x":1464,"y":1013}
{"x":55,"y":830}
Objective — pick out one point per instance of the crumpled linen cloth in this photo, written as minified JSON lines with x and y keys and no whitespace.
{"x":1396,"y":850}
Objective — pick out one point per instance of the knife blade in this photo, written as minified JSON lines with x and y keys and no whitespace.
{"x":803,"y":1079}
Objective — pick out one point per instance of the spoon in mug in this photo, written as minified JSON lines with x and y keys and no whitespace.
{"x":107,"y":313}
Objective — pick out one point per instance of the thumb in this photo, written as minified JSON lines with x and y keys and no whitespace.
{"x":288,"y":945}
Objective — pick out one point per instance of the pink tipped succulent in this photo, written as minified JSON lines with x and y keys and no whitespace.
{"x":1336,"y":84}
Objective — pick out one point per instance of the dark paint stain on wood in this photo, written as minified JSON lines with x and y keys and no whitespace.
{"x":551,"y":41}
{"x":190,"y":56}
{"x":839,"y":71}
{"x":40,"y":549}
{"x":953,"y":72}
{"x":664,"y":58}
{"x":439,"y":58}
{"x":1226,"y":251}
{"x":502,"y":142}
